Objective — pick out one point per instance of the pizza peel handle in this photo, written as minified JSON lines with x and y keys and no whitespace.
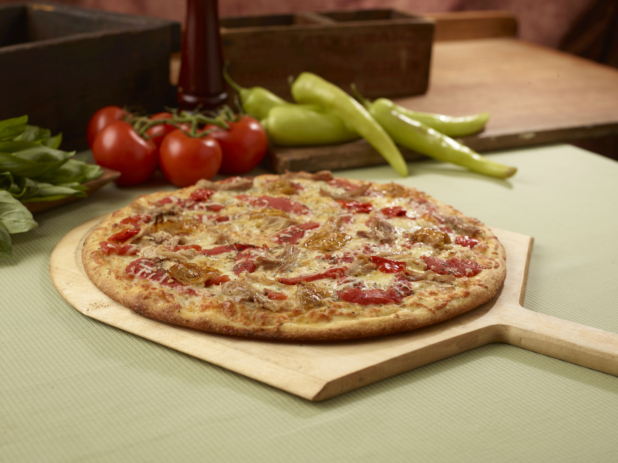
{"x":561,"y":339}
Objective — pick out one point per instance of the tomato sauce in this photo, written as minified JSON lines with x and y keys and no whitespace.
{"x":120,"y":249}
{"x":294,"y":233}
{"x":387,"y":265}
{"x":454,"y":266}
{"x":393,"y":295}
{"x":466,"y":241}
{"x":124,"y":235}
{"x":201,"y":194}
{"x":136,"y":219}
{"x":282,"y":204}
{"x":395,"y":211}
{"x":363,"y":208}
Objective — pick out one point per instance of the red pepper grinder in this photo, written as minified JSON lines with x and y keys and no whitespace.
{"x":201,"y":81}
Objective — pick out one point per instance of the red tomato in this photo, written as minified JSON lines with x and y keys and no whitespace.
{"x":101,"y":119}
{"x":119,"y":147}
{"x":244,"y":145}
{"x":159,"y":132}
{"x":185,"y":160}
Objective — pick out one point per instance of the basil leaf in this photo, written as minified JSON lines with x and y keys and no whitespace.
{"x":6,"y":181}
{"x":5,"y":242}
{"x":20,"y":188}
{"x":14,"y":215}
{"x":11,"y":128}
{"x":34,"y":161}
{"x":40,"y":136}
{"x":70,"y":172}
{"x":12,"y":146}
{"x":53,"y":142}
{"x":33,"y":133}
{"x":49,"y":192}
{"x":28,"y":188}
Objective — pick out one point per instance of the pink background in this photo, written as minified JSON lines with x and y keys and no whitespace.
{"x":541,"y":21}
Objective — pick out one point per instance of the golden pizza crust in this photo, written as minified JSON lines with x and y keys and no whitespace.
{"x":434,"y":302}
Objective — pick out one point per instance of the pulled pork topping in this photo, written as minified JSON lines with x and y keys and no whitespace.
{"x":350,"y":196}
{"x":160,"y":252}
{"x":379,"y":230}
{"x":458,"y":224}
{"x":323,"y":175}
{"x":362,"y":265}
{"x":232,"y":184}
{"x":241,"y":290}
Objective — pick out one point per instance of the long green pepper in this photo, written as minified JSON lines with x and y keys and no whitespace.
{"x":256,"y":101}
{"x":290,"y":124}
{"x":450,"y":126}
{"x":293,"y":125}
{"x":421,"y":138}
{"x":311,"y":89}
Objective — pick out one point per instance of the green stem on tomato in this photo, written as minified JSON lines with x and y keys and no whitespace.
{"x":219,"y":122}
{"x":141,"y":131}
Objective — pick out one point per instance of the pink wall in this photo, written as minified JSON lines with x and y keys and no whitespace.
{"x":541,"y":21}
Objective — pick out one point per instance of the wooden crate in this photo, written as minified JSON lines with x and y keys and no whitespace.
{"x":59,"y":64}
{"x":384,"y":52}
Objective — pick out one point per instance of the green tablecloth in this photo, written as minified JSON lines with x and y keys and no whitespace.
{"x":74,"y":389}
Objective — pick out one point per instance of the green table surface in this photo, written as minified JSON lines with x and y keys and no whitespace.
{"x":76,"y":390}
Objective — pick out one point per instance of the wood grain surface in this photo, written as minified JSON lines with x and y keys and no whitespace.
{"x":61,"y":63}
{"x":469,"y":25}
{"x":320,"y":371}
{"x":384,"y":52}
{"x":535,"y":96}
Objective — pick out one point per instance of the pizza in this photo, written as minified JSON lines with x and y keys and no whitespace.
{"x":298,"y":257}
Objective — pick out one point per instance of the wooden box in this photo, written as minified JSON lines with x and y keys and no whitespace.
{"x":386,"y":53}
{"x":59,"y":64}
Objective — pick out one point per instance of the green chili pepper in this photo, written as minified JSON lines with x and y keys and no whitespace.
{"x":311,"y":89}
{"x":423,"y":139}
{"x":447,"y":125}
{"x":256,"y":101}
{"x":291,"y":125}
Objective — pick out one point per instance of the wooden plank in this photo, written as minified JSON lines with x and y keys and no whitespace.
{"x":453,"y":25}
{"x":384,"y":52}
{"x":535,"y":96}
{"x":468,"y":25}
{"x":323,"y":370}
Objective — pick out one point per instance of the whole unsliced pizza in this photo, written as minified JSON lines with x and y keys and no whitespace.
{"x":295,"y":257}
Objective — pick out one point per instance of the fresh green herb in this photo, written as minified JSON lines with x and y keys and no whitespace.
{"x":13,"y":128}
{"x":32,"y":169}
{"x":30,"y":161}
{"x":14,"y":218}
{"x":71,"y":171}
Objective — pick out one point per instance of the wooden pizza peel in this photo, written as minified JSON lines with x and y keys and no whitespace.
{"x":318,"y":371}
